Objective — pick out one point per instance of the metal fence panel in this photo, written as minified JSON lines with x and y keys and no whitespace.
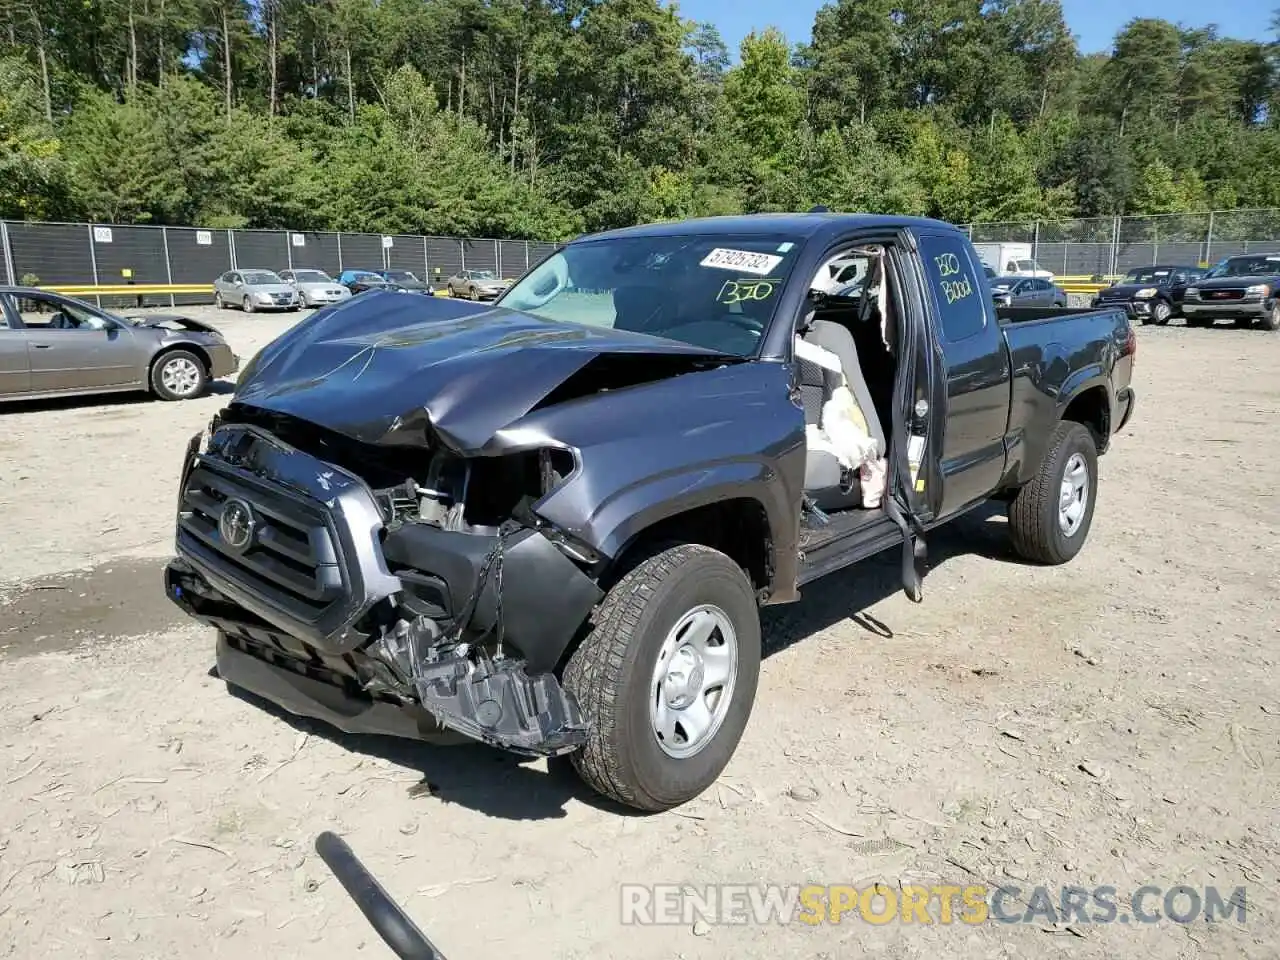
{"x":6,"y":258}
{"x":479,"y":255}
{"x":137,"y":250}
{"x":197,"y":257}
{"x":407,"y":253}
{"x":55,"y":253}
{"x":444,"y":256}
{"x":539,"y":251}
{"x":513,"y":258}
{"x":361,"y":251}
{"x":261,"y":249}
{"x":309,"y":250}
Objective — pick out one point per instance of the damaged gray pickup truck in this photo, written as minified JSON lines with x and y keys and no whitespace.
{"x":548,"y":523}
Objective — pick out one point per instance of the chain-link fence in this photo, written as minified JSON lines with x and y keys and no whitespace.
{"x":185,"y":261}
{"x":1109,"y":246}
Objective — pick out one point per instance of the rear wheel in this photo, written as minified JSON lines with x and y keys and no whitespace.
{"x":667,"y":677}
{"x":179,"y":375}
{"x":1050,"y":517}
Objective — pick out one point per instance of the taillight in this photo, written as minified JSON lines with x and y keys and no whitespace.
{"x":1131,"y":344}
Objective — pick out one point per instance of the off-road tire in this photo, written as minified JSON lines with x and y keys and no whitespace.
{"x":1033,"y":514}
{"x":611,"y":671}
{"x":174,"y":356}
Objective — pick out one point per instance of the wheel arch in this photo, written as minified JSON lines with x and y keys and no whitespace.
{"x":737,"y":526}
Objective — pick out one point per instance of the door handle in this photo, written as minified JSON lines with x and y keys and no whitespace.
{"x":42,"y":346}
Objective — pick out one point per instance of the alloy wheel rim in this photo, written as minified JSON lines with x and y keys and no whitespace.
{"x":693,"y":681}
{"x":180,"y":377}
{"x":1073,"y":495}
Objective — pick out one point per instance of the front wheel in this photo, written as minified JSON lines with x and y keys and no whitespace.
{"x":667,"y":677}
{"x":1161,"y":312}
{"x":247,"y":305}
{"x":1272,"y":320}
{"x":179,"y":375}
{"x":1050,"y":517}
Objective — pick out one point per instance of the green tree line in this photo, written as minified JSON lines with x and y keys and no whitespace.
{"x":543,"y":118}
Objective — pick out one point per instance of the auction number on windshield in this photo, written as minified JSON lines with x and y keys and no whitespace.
{"x":739,"y":291}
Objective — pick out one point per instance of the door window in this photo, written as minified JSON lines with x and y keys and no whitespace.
{"x":956,"y":291}
{"x":46,"y":313}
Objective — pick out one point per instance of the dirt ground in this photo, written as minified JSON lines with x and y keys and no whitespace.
{"x":1112,"y":722}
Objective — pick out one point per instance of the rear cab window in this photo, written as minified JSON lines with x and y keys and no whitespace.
{"x":953,"y":283}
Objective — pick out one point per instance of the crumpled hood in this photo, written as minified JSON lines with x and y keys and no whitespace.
{"x":380,"y":367}
{"x":164,"y":320}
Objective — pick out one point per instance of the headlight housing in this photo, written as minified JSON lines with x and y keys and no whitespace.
{"x":264,"y":297}
{"x":1146,"y":293}
{"x":1258,"y":290}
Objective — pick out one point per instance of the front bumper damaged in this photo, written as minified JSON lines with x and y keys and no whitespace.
{"x":332,"y":616}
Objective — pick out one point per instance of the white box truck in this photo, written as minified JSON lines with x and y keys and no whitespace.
{"x":1011,"y":260}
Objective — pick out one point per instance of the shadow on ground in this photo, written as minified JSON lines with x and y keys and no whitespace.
{"x":217,"y":388}
{"x":511,"y":788}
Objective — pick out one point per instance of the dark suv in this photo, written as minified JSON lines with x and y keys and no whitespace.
{"x":1153,"y":294}
{"x":1242,"y":289}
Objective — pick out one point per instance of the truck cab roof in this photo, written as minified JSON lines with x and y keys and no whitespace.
{"x":804,"y":225}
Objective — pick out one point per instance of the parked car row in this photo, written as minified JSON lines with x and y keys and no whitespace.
{"x":254,"y":289}
{"x":1242,"y":289}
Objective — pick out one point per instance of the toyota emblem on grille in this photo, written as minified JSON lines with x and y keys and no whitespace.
{"x":236,"y":524}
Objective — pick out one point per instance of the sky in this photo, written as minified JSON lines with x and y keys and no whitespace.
{"x":1094,"y":22}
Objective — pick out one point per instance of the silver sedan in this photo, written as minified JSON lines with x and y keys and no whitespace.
{"x":315,"y":287}
{"x":252,"y":290}
{"x":56,"y":346}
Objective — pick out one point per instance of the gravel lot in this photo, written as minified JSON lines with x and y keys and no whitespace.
{"x":1112,"y":722}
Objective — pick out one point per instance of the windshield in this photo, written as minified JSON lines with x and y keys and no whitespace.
{"x":1028,"y":265}
{"x":402,"y":276}
{"x":482,"y":275}
{"x":260,"y":276}
{"x":312,"y":276}
{"x":1146,"y":275}
{"x":717,"y":292}
{"x":1268,"y":266}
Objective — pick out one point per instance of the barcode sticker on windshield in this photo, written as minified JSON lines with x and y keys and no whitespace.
{"x":760,"y":264}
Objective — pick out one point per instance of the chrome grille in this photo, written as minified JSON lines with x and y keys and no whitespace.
{"x":292,"y":555}
{"x":311,"y":564}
